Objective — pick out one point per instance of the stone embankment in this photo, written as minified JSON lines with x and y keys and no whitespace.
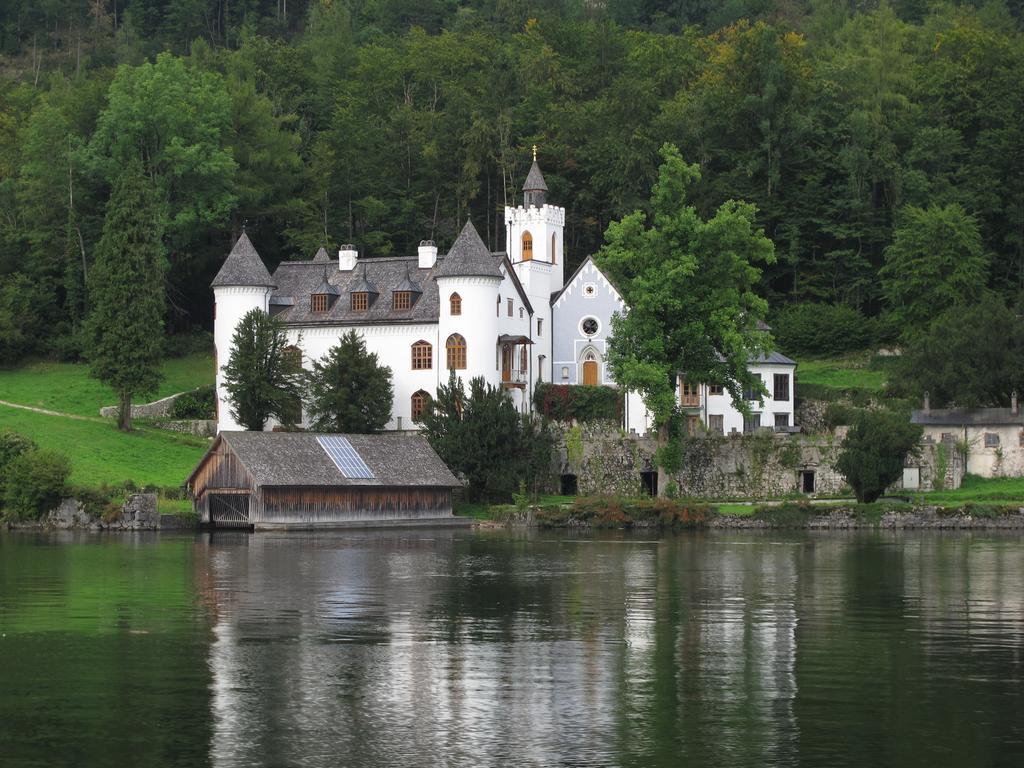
{"x":706,"y":518}
{"x":138,"y":513}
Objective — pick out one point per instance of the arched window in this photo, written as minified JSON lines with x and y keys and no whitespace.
{"x":419,"y":405}
{"x":523,"y":358}
{"x":554,"y":260}
{"x":527,"y":246}
{"x":422,"y":356}
{"x":293,"y":355}
{"x":497,"y":309}
{"x":455,"y":304}
{"x":456,"y":349}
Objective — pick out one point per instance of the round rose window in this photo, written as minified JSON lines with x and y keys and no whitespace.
{"x":590,"y":326}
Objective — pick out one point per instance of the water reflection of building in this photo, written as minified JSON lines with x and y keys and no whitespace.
{"x":445,"y":648}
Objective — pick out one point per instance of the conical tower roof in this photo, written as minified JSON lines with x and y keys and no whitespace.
{"x":321,"y":256}
{"x":535,"y":179}
{"x":468,"y":257}
{"x":243,"y":266}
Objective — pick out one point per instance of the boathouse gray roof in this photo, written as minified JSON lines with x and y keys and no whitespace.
{"x":297,"y":459}
{"x":967,"y":417}
{"x":773,"y":358}
{"x":469,"y":257}
{"x":534,"y":180}
{"x":243,"y":267}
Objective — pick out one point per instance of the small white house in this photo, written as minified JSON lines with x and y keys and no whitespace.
{"x":991,"y":438}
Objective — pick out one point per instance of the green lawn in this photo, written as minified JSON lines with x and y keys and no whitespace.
{"x":853,"y":372}
{"x":1004,"y":490}
{"x":67,"y":387}
{"x":101,"y":454}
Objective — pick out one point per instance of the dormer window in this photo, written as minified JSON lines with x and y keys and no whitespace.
{"x":322,"y":297}
{"x":401,"y":300}
{"x":360,"y":301}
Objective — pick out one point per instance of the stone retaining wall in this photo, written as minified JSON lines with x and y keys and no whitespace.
{"x":138,"y":513}
{"x":605,"y":460}
{"x":158,"y":409}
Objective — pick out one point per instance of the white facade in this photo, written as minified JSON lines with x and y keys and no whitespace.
{"x":231,"y":303}
{"x":518,"y":319}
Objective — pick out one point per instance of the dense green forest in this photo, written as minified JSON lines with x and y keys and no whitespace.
{"x":871,"y":136}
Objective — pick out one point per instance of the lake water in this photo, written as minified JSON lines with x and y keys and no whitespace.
{"x":447,"y":648}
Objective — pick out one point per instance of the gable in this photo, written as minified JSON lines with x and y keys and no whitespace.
{"x":588,"y":275}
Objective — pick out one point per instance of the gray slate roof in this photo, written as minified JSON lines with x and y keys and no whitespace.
{"x":321,"y":256}
{"x":469,"y":256}
{"x":297,"y":459}
{"x":243,"y":266}
{"x":534,"y":180}
{"x":967,"y":417}
{"x":773,"y":358}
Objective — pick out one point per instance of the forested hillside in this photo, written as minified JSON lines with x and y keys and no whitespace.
{"x":872,"y":137}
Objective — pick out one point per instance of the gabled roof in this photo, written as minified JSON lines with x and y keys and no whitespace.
{"x":321,"y":256}
{"x":468,"y":257}
{"x":589,"y":260}
{"x":535,"y":180}
{"x":968,"y":417}
{"x":243,"y":266}
{"x":298,"y":459}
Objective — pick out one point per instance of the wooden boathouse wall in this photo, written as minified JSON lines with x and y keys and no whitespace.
{"x":221,"y":472}
{"x":316,"y":506}
{"x":223,"y":476}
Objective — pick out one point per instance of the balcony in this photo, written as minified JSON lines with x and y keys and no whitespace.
{"x":513,"y":378}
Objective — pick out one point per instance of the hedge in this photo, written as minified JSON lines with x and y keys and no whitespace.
{"x":569,"y":403}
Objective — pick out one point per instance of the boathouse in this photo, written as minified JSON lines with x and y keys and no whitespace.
{"x":278,"y":480}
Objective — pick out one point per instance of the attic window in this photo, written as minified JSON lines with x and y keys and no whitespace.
{"x":360,"y":301}
{"x":402,"y":300}
{"x":318,"y":302}
{"x":590,"y":290}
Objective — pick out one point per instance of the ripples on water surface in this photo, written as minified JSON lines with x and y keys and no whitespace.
{"x":462,"y":649}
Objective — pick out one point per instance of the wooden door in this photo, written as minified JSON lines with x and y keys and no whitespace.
{"x":590,"y":373}
{"x":506,"y":362}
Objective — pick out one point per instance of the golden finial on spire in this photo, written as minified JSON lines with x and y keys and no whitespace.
{"x":535,"y":153}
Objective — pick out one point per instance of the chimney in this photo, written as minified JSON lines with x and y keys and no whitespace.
{"x":347,"y":257}
{"x":428,"y":254}
{"x":927,"y":403}
{"x":1014,"y":409}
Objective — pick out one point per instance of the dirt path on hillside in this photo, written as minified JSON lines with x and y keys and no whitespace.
{"x":46,"y":412}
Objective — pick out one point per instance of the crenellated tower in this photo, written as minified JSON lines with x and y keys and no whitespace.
{"x":533,"y":241}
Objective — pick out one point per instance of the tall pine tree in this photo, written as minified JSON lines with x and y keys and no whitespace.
{"x":123,"y":333}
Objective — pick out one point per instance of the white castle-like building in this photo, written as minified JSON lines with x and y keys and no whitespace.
{"x":510,"y":317}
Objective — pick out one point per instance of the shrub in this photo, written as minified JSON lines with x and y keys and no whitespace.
{"x":12,"y":445}
{"x":197,"y":404}
{"x":823,"y":329}
{"x":35,"y":483}
{"x":566,"y":403}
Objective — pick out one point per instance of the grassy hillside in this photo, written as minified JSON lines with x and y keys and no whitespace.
{"x":99,"y":453}
{"x":848,"y":374}
{"x":67,"y":387}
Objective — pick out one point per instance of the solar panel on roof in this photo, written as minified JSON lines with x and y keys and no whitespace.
{"x":345,"y":457}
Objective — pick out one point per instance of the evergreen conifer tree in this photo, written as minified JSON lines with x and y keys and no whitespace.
{"x":264,"y":376}
{"x":349,"y":391}
{"x":123,"y":333}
